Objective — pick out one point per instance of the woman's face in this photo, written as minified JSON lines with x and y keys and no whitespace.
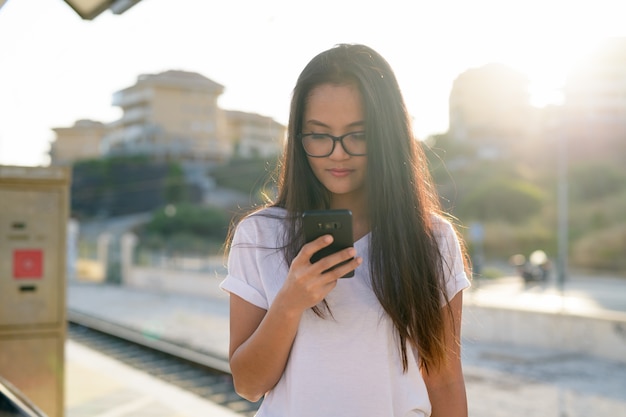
{"x":337,"y":109}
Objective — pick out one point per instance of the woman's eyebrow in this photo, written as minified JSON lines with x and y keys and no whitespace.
{"x":359,"y":123}
{"x":313,"y":122}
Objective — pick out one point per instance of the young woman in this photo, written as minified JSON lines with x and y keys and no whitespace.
{"x":387,"y":341}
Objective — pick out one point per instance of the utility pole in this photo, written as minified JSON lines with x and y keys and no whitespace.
{"x":562,"y":212}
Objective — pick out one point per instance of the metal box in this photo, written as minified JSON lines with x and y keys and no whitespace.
{"x":33,"y":225}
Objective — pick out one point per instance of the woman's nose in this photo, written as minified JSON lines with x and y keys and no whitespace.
{"x":339,"y":152}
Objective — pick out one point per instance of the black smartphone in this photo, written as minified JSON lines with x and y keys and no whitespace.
{"x":338,"y":223}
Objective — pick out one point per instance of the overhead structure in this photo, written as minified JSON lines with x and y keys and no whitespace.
{"x":90,"y":9}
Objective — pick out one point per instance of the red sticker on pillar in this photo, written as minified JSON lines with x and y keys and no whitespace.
{"x":27,"y":263}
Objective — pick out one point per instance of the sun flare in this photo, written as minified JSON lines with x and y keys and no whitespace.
{"x":548,"y":39}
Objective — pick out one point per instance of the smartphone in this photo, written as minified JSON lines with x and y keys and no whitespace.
{"x":338,"y":223}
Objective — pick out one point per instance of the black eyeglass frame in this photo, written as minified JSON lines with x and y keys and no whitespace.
{"x":335,"y":139}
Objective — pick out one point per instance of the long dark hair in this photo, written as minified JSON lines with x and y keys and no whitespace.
{"x":406,"y":266}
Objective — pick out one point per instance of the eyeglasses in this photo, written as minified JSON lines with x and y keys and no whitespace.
{"x":319,"y":145}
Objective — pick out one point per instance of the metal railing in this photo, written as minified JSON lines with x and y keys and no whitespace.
{"x":13,"y":403}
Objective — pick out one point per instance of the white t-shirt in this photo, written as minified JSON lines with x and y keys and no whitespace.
{"x":349,"y":366}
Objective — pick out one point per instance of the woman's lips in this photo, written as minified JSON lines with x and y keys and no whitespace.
{"x":339,"y":172}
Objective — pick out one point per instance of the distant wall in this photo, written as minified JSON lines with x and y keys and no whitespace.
{"x":602,"y":335}
{"x":202,"y":284}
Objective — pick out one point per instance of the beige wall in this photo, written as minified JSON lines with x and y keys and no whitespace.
{"x":81,"y":141}
{"x":255,"y":135}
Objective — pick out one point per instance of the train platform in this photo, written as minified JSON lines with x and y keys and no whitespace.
{"x":503,"y":379}
{"x":99,"y":386}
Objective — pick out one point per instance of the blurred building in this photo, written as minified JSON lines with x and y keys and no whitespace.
{"x":593,"y":117}
{"x":490,"y":110}
{"x":171,"y":115}
{"x":81,"y":141}
{"x":489,"y":107}
{"x":254,"y":135}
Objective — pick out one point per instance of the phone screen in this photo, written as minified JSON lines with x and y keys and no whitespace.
{"x":337,"y":223}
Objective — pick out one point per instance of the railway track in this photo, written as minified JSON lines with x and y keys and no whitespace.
{"x":195,"y":372}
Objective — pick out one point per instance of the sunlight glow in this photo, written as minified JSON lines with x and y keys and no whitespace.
{"x":71,"y":68}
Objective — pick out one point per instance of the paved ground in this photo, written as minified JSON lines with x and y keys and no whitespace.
{"x":511,"y":381}
{"x":581,"y":292}
{"x":508,"y":381}
{"x":100,"y":386}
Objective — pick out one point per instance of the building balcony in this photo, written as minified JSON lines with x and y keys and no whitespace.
{"x":130,"y":98}
{"x":134,"y":116}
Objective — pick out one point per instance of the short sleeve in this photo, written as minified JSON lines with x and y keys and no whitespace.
{"x":455,"y":275}
{"x":244,"y":275}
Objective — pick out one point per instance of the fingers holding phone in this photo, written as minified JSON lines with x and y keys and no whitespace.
{"x":338,"y":224}
{"x":327,"y":256}
{"x":340,"y":262}
{"x":307,"y":284}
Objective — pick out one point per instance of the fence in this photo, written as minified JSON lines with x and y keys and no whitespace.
{"x":117,"y":261}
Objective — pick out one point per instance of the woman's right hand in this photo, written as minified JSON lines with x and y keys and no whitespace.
{"x":260,"y":340}
{"x":308,"y":283}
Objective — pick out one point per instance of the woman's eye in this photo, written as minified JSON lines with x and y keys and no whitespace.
{"x":357,"y":136}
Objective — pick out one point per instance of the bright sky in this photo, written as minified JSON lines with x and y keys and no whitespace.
{"x":56,"y":68}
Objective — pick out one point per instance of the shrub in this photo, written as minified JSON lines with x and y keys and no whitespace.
{"x":508,"y":200}
{"x":603,"y":249}
{"x":185,"y":228}
{"x":503,"y":239}
{"x":250,"y":176}
{"x":593,"y":181}
{"x":119,"y":186}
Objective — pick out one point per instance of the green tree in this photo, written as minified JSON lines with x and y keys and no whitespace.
{"x":592,"y":181}
{"x":185,"y":228}
{"x":499,"y":199}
